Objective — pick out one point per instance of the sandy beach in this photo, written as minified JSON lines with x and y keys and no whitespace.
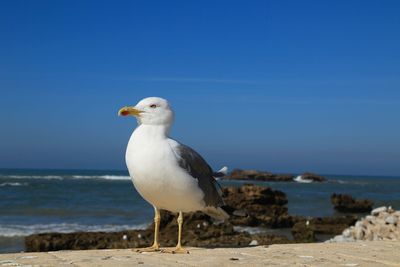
{"x":373,"y":253}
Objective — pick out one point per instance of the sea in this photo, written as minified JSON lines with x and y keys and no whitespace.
{"x":38,"y":201}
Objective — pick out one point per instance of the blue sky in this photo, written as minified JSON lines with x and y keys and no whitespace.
{"x":285,"y":86}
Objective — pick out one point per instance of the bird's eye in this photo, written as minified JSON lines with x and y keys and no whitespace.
{"x":153,"y":106}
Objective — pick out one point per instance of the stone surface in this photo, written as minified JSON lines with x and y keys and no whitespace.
{"x":376,"y":211}
{"x":382,"y":225}
{"x":260,"y":206}
{"x":346,"y":203}
{"x":375,"y":253}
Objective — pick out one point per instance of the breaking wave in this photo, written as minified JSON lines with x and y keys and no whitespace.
{"x":106,"y":177}
{"x":13,"y":184}
{"x":33,"y":177}
{"x":11,"y":230}
{"x":59,"y":177}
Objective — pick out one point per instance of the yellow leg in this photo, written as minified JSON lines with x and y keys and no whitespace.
{"x":178,"y":248}
{"x":156,"y":245}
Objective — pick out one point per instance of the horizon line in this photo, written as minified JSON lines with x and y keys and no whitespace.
{"x":126,"y":170}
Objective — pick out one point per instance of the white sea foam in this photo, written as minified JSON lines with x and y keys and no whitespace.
{"x":300,"y":179}
{"x":106,"y":177}
{"x":11,"y":230}
{"x":249,"y":229}
{"x":362,"y":183}
{"x":59,"y":177}
{"x":13,"y":184}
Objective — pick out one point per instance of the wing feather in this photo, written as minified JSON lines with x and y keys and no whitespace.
{"x":198,"y":168}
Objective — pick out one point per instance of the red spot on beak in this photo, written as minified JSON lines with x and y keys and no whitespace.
{"x":125,"y":113}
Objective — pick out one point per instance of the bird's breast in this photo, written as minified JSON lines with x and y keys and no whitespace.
{"x":158,"y":177}
{"x":148,"y":159}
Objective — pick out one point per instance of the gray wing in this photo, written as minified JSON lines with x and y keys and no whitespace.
{"x":198,"y":168}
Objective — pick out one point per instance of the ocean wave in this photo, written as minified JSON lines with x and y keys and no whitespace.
{"x":349,"y":182}
{"x":300,"y":179}
{"x":11,"y":230}
{"x":106,"y":177}
{"x":13,"y":184}
{"x":59,"y":177}
{"x":249,"y":229}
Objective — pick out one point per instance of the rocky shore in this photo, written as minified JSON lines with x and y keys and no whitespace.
{"x":255,"y":175}
{"x":198,"y":232}
{"x":315,"y":229}
{"x":346,"y":203}
{"x":249,"y":205}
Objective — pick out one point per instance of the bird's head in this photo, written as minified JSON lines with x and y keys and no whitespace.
{"x":150,"y":110}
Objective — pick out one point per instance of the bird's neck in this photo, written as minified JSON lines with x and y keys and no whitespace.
{"x":151,"y":131}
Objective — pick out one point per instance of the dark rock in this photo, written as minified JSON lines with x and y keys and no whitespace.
{"x":238,"y":174}
{"x":263,"y":206}
{"x":305,"y":230}
{"x":303,"y":233}
{"x":199,"y":230}
{"x":346,"y":203}
{"x":86,"y":240}
{"x":255,"y":175}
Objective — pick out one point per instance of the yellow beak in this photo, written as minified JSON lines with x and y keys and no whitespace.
{"x":125,"y":111}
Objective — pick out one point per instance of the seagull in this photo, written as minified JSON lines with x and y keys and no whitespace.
{"x":167,"y":174}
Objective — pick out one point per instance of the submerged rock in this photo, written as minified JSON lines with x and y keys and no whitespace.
{"x":346,"y":203}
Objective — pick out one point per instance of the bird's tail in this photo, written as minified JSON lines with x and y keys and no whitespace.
{"x":217,"y":213}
